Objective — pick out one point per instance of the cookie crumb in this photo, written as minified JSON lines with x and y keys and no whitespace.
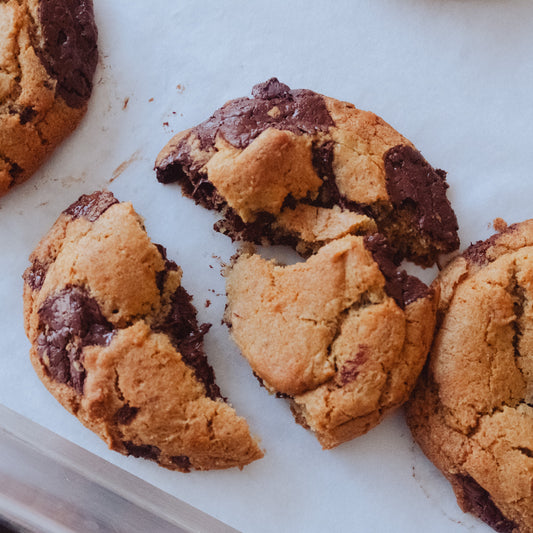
{"x":499,"y":224}
{"x":125,"y":104}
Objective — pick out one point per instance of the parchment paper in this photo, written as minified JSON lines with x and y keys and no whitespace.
{"x":455,"y":77}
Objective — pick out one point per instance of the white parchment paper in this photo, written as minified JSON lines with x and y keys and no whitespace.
{"x":455,"y":77}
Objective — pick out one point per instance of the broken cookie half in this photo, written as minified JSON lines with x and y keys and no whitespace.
{"x":343,"y":335}
{"x":299,"y":168}
{"x":116,"y":340}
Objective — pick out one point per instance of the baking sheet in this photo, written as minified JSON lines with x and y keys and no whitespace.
{"x":455,"y":77}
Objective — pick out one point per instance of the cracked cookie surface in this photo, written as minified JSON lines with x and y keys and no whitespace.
{"x":472,"y":409}
{"x":296,"y":167}
{"x":48,"y":55}
{"x":344,"y":335}
{"x":116,"y":340}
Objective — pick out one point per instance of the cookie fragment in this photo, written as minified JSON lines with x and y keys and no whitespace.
{"x":260,"y":161}
{"x":471,"y":411}
{"x":115,"y":339}
{"x":48,"y":56}
{"x":343,"y":335}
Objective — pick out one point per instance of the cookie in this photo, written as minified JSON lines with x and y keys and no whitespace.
{"x":472,"y":410}
{"x":343,"y":335}
{"x":48,"y":55}
{"x":115,"y":338}
{"x":296,"y":167}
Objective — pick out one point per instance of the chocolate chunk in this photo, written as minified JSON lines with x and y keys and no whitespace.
{"x":477,"y":253}
{"x":126,"y":414}
{"x":416,"y":186}
{"x":91,"y":206}
{"x":274,"y":105}
{"x":35,"y":274}
{"x":14,"y":170}
{"x":68,"y":52}
{"x":27,"y":114}
{"x":182,"y":462}
{"x":146,"y":451}
{"x":400,"y":286}
{"x":478,"y":502}
{"x":187,"y":336}
{"x":161,"y":277}
{"x":269,"y":89}
{"x":69,"y":321}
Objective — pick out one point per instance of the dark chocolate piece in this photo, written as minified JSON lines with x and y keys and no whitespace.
{"x":146,"y":451}
{"x":478,"y":502}
{"x":161,"y":277}
{"x":91,"y":206}
{"x":412,"y":183}
{"x":69,"y":47}
{"x":404,"y":288}
{"x":182,"y":462}
{"x":477,"y":253}
{"x":274,"y":105}
{"x":35,"y":274}
{"x":187,"y":336}
{"x":69,"y":321}
{"x":27,"y":114}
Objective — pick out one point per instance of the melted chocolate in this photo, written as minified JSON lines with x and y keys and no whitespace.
{"x":91,"y":206}
{"x":182,"y":462}
{"x":69,"y":52}
{"x":146,"y":451}
{"x":69,"y":321}
{"x":274,"y":105}
{"x":477,"y":253}
{"x":400,"y":286}
{"x":479,"y":503}
{"x":187,"y":336}
{"x":240,"y":121}
{"x":161,"y":277}
{"x":412,"y":183}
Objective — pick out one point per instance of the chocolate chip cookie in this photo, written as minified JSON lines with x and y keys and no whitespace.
{"x":472,"y":410}
{"x":343,"y":335}
{"x":299,"y":168}
{"x":116,"y":340}
{"x":48,"y":55}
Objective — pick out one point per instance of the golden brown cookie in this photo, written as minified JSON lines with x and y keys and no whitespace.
{"x":344,"y":335}
{"x":296,"y":167}
{"x":472,"y":410}
{"x":48,"y":56}
{"x":115,"y":339}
